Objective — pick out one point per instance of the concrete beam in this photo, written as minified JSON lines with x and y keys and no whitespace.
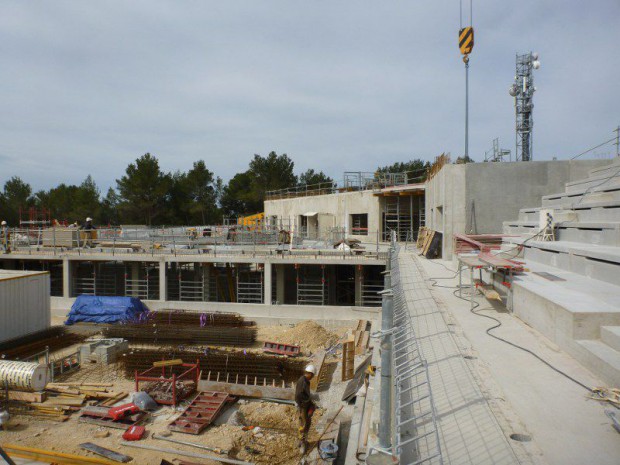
{"x":280,"y":283}
{"x":163,"y":283}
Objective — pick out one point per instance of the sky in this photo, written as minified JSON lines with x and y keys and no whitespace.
{"x":86,"y":87}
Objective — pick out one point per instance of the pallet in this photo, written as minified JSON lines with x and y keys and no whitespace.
{"x":205,"y":408}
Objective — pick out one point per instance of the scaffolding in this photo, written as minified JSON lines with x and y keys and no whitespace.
{"x":404,"y":215}
{"x":312,"y":288}
{"x":370,"y":293}
{"x":96,"y":281}
{"x":191,"y":283}
{"x":145,"y":285}
{"x":250,"y":287}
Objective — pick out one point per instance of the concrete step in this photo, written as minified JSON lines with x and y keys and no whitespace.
{"x":533,"y":214}
{"x":610,"y":335}
{"x":568,"y":310}
{"x":598,"y":233}
{"x":586,"y":211}
{"x":608,"y":180}
{"x":575,"y":199}
{"x":596,"y":262}
{"x":601,"y":359}
{"x":607,"y":169}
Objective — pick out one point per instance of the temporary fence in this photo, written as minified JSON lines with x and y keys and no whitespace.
{"x":415,"y":432}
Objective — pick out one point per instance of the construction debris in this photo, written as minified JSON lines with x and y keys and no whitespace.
{"x":603,"y":394}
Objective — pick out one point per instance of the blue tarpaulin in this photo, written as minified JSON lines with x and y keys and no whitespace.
{"x":99,"y":309}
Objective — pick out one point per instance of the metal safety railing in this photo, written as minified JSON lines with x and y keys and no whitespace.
{"x":415,"y":432}
{"x":371,"y":296}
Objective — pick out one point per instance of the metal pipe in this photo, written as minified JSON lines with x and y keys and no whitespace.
{"x":187,"y":454}
{"x":191,"y":444}
{"x":385,"y":410}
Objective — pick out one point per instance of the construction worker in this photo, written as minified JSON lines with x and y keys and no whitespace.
{"x":305,"y":406}
{"x":4,"y":237}
{"x":89,"y":231}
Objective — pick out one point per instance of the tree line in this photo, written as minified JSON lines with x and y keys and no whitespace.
{"x":147,"y":195}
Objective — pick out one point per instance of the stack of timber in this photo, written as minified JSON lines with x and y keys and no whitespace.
{"x":61,"y":399}
{"x":431,"y":244}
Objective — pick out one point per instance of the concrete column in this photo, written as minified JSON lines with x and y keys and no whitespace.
{"x":135,"y":275}
{"x":280,"y":284}
{"x":206,"y":279}
{"x":66,"y":278}
{"x":267,"y":283}
{"x":163,"y":284}
{"x":359,"y":280}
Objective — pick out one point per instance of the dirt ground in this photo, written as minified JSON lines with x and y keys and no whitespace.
{"x":274,"y":442}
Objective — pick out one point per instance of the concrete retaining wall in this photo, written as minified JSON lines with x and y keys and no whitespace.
{"x":478,"y":197}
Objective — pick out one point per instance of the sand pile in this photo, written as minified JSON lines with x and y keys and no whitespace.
{"x":309,"y":335}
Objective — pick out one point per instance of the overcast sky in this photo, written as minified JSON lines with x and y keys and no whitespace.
{"x":88,"y":86}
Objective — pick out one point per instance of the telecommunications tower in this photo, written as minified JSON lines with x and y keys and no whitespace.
{"x":523,"y":91}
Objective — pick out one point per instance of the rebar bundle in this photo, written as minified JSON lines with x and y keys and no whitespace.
{"x":54,"y":338}
{"x":233,"y":366}
{"x":182,"y":317}
{"x":183,"y":334}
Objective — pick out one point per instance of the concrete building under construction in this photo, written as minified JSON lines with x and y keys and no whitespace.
{"x":410,"y":298}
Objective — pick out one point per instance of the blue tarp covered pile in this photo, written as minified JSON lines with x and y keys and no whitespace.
{"x":98,"y":309}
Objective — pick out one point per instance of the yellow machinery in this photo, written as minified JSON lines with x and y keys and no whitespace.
{"x":251,"y":221}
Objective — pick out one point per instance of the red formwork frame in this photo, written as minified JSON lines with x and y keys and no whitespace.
{"x":192,"y":373}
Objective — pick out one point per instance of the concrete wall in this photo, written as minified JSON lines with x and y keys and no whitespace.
{"x":478,"y":197}
{"x":339,"y":206}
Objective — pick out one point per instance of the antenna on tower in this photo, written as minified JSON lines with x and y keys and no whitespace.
{"x":523,"y":91}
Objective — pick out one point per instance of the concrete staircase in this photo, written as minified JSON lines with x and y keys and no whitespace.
{"x":578,"y":306}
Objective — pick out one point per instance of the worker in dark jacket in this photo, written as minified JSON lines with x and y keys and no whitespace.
{"x":305,"y":406}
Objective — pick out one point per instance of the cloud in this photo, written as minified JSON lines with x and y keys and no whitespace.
{"x":89,"y":86}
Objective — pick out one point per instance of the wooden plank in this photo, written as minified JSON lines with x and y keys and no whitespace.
{"x":113,"y":400}
{"x":318,"y":362}
{"x":243,"y":390}
{"x":348,"y":359}
{"x":107,"y":453}
{"x":167,"y":363}
{"x":358,"y":380}
{"x":48,"y":456}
